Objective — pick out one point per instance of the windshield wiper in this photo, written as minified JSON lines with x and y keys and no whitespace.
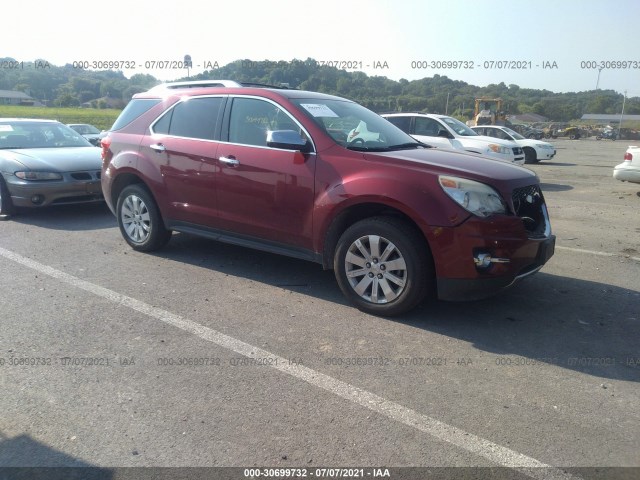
{"x":390,"y":148}
{"x":404,"y":146}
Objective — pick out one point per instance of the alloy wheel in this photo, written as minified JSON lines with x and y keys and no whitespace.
{"x":375,"y":269}
{"x":135,"y":219}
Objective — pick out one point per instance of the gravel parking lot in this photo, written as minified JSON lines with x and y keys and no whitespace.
{"x":210,"y":355}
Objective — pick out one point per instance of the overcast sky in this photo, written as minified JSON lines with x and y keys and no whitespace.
{"x":533,"y":33}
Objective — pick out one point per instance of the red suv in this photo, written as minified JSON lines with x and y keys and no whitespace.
{"x":279,"y":170}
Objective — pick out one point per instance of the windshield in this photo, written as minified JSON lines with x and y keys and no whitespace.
{"x":355,"y":127}
{"x":458,"y":127}
{"x":85,"y":129}
{"x":16,"y":135}
{"x":513,"y":133}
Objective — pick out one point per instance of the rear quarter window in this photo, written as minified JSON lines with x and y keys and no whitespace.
{"x":133,"y":110}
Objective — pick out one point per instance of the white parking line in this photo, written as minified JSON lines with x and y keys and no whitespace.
{"x":595,"y":252}
{"x":493,"y":452}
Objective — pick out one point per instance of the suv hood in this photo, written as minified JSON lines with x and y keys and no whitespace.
{"x":69,"y":159}
{"x":462,"y":164}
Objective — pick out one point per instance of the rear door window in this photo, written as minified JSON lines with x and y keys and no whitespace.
{"x":403,"y":123}
{"x":193,"y":118}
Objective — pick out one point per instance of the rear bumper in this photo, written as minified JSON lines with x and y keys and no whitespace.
{"x":626,"y":173}
{"x":454,"y":249}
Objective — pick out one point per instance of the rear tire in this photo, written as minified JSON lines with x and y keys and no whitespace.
{"x":6,"y":204}
{"x":140,"y":220}
{"x":383,"y":266}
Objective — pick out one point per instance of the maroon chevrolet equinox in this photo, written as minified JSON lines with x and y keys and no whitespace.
{"x":281,"y":170}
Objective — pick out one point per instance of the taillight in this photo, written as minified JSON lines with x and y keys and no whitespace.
{"x":105,"y":143}
{"x":628,"y":157}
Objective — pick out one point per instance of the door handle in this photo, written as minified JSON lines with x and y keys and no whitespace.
{"x":230,"y":161}
{"x":158,"y":147}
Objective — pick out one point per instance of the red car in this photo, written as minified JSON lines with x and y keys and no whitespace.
{"x":275,"y":169}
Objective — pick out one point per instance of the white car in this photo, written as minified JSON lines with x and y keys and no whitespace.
{"x":534,"y":150}
{"x":629,"y":170}
{"x":447,"y":132}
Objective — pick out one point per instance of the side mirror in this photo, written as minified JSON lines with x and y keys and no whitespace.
{"x":444,"y":133}
{"x":287,"y":140}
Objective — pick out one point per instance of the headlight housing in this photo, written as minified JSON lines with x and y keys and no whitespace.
{"x":38,"y":176}
{"x":499,"y":149}
{"x":475,"y":197}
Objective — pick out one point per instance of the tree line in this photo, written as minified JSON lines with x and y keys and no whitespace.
{"x":70,"y":86}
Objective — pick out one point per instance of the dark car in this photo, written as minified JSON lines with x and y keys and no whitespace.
{"x":526,"y":131}
{"x":91,"y":133}
{"x":43,"y":162}
{"x":272,"y":169}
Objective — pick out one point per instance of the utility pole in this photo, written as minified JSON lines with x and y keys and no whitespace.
{"x":621,"y":115}
{"x":598,"y":81}
{"x":187,"y":63}
{"x":446,"y":107}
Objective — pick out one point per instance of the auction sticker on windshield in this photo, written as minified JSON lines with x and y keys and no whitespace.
{"x":318,"y":110}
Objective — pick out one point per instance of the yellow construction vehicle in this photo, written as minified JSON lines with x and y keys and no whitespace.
{"x":491,"y":112}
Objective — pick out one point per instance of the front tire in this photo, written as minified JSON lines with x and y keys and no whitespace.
{"x":139,"y":219}
{"x":530,"y":155}
{"x":6,"y":204}
{"x":383,"y":266}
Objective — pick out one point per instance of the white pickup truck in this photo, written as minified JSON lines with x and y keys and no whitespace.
{"x":447,"y":132}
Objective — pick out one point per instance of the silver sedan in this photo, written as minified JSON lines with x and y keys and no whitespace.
{"x":44,"y":162}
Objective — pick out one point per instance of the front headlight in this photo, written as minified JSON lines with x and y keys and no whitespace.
{"x":38,"y":175}
{"x":475,"y":197}
{"x":499,"y":149}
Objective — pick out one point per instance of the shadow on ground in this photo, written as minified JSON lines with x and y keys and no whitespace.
{"x":558,"y":164}
{"x":580,"y":325}
{"x":555,"y":187}
{"x":23,"y":458}
{"x":80,"y":217}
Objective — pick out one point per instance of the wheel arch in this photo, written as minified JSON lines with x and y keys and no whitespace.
{"x":122,"y":181}
{"x":355,"y":213}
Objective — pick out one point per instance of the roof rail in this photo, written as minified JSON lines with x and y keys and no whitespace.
{"x":214,"y":83}
{"x":196,"y":84}
{"x":282,"y":86}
